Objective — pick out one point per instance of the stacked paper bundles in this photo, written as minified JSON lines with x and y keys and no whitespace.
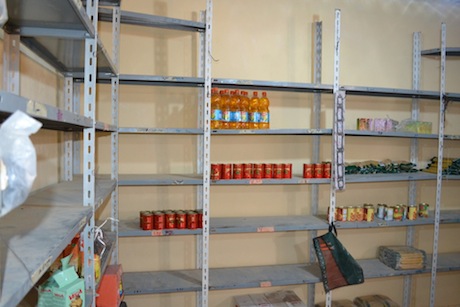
{"x":402,"y":257}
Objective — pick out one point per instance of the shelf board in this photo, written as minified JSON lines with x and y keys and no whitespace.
{"x":140,"y":130}
{"x":272,"y":85}
{"x":261,"y":276}
{"x":51,"y":117}
{"x":399,"y":134}
{"x":132,"y":229}
{"x":293,"y":180}
{"x":155,"y":21}
{"x":159,"y":179}
{"x":195,"y":179}
{"x":38,"y":233}
{"x":232,"y":225}
{"x":264,"y":224}
{"x":451,"y":51}
{"x":271,"y":132}
{"x":447,"y":217}
{"x":389,"y":177}
{"x":268,"y":224}
{"x":70,"y":193}
{"x":390,"y":92}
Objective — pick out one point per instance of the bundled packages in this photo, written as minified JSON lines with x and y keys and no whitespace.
{"x":402,"y":257}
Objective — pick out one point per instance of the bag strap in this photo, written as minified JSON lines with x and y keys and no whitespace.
{"x":333,"y":229}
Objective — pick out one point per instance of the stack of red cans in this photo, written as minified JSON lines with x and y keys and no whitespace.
{"x":317,"y":170}
{"x":228,"y":171}
{"x":171,"y":219}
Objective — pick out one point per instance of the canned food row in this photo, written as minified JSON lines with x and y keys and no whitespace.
{"x":251,"y":171}
{"x":171,"y":219}
{"x":317,"y":170}
{"x":366,"y":212}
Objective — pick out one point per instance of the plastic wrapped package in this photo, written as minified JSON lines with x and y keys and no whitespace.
{"x":18,"y":160}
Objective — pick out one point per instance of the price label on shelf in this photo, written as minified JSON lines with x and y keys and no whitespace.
{"x":157,"y":233}
{"x":265,"y":284}
{"x":266,"y":229}
{"x":255,"y":181}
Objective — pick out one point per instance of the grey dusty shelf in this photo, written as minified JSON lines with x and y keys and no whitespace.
{"x":56,"y":30}
{"x":138,"y":130}
{"x":32,"y":237}
{"x":271,"y":132}
{"x":273,"y":85}
{"x":159,"y":179}
{"x":261,"y":276}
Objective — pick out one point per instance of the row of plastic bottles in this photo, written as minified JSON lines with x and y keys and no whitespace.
{"x":235,"y":110}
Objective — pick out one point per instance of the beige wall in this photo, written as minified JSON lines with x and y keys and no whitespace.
{"x":271,"y":40}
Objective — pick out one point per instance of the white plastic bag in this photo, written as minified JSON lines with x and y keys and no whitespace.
{"x":18,"y":160}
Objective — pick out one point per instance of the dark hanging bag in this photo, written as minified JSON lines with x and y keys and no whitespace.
{"x":338,"y":267}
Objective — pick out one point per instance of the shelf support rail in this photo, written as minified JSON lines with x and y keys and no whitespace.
{"x":206,"y":156}
{"x":337,"y":180}
{"x":415,"y":110}
{"x":89,"y":151}
{"x":442,"y":112}
{"x":115,"y":81}
{"x":11,"y":57}
{"x":318,"y":33}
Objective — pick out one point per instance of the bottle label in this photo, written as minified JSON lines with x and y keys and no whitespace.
{"x":244,"y":117}
{"x":235,"y":116}
{"x":254,"y":117}
{"x":226,"y":116}
{"x":216,"y":114}
{"x":264,"y":117}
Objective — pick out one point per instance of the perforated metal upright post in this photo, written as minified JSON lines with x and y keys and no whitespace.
{"x":200,"y":142}
{"x":316,"y":117}
{"x":11,"y":56}
{"x":415,"y":110}
{"x":442,"y":113}
{"x":206,"y":156}
{"x":337,"y":176}
{"x":89,"y":149}
{"x":68,"y":136}
{"x":116,"y":19}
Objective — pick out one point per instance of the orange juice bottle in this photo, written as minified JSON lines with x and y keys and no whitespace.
{"x":216,"y":110}
{"x":264,"y":103}
{"x":244,"y":102}
{"x":225,"y":104}
{"x":254,"y":115}
{"x":235,"y":110}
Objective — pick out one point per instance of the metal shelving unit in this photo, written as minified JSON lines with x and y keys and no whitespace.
{"x":276,"y":275}
{"x":64,"y":35}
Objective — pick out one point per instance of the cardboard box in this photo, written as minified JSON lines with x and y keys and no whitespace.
{"x":110,"y":291}
{"x":282,"y":298}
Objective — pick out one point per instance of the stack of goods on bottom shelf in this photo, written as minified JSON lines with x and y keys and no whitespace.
{"x":402,"y":257}
{"x":282,"y":298}
{"x":364,"y":301}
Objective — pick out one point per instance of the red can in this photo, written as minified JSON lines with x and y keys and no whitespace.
{"x":181,"y":220}
{"x":318,"y":170}
{"x":257,"y":170}
{"x":268,"y":170}
{"x":216,"y":171}
{"x":308,"y":171}
{"x":141,"y":215}
{"x":278,"y":171}
{"x":327,"y":170}
{"x":247,"y":170}
{"x":158,"y":220}
{"x":147,"y":220}
{"x":170,"y":220}
{"x":237,"y":171}
{"x":287,"y":170}
{"x":199,"y":223}
{"x":192,"y":219}
{"x":226,"y":171}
